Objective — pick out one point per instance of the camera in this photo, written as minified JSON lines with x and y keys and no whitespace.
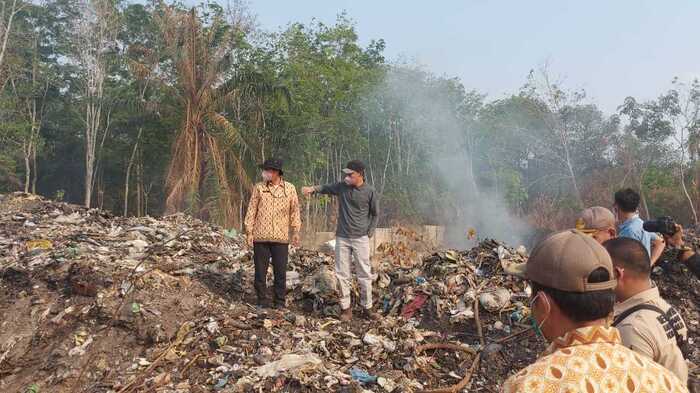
{"x":663,"y":225}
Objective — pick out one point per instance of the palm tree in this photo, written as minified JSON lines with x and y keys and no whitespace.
{"x":201,"y":57}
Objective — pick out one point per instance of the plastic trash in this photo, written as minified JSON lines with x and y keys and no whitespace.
{"x":230,"y":233}
{"x":293,"y":279}
{"x":495,"y":300}
{"x":33,"y":388}
{"x":328,"y":247}
{"x":388,"y":384}
{"x":415,"y":305}
{"x":386,"y":304}
{"x":362,"y":376}
{"x":39,"y":244}
{"x":288,"y":362}
{"x":221,"y":383}
{"x":375,"y":341}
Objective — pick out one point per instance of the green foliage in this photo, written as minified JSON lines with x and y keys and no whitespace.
{"x":513,"y":190}
{"x":313,"y":95}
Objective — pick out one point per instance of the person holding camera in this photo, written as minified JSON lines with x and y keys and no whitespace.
{"x":685,"y":254}
{"x":630,"y":225}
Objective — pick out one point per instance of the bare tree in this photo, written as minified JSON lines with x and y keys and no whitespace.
{"x":686,"y":122}
{"x":143,"y":66}
{"x":555,"y":99}
{"x":30,"y":89}
{"x":8,"y":12}
{"x":94,"y":43}
{"x":674,"y":115}
{"x":574,"y":135}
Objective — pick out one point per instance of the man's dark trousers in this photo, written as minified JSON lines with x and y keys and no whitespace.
{"x":263,"y":252}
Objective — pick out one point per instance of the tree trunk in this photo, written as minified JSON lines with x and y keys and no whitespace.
{"x":570,"y":167}
{"x":35,"y":171}
{"x":146,"y":193}
{"x":369,"y":153}
{"x":7,"y":29}
{"x":470,"y":161}
{"x":697,"y":181}
{"x":139,"y":185}
{"x":26,"y":150}
{"x":645,"y":206}
{"x":387,"y":160}
{"x":128,"y":173}
{"x":91,"y":127}
{"x":687,"y":195}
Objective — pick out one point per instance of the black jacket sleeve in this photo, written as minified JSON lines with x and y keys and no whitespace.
{"x":373,"y":214}
{"x":331,"y":189}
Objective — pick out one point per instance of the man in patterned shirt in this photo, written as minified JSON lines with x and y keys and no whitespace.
{"x":572,"y":297}
{"x":273,"y":212}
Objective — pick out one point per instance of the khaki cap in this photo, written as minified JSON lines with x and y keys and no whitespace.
{"x":594,"y":219}
{"x":564,"y":261}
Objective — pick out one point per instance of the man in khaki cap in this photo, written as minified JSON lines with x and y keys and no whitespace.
{"x":647,"y":324}
{"x":598,"y":222}
{"x":573,"y":283}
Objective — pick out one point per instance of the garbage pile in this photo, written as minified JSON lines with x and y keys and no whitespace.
{"x":682,"y":290}
{"x":91,"y":302}
{"x":406,"y":249}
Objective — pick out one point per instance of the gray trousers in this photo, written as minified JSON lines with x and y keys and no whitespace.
{"x":356,"y":250}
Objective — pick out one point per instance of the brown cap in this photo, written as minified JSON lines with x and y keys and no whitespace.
{"x":564,"y":261}
{"x":594,"y":219}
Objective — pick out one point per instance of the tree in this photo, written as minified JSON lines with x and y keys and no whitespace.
{"x":94,"y":43}
{"x":674,"y":115}
{"x":9,"y":9}
{"x":642,"y":145}
{"x":201,"y":57}
{"x":143,"y":56}
{"x":31,"y":83}
{"x":575,"y":136}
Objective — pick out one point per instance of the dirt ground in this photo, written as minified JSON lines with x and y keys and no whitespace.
{"x":90,"y":302}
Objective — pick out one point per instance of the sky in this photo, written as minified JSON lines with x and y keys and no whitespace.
{"x":610,"y":48}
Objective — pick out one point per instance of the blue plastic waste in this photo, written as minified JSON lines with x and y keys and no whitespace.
{"x":362,"y":376}
{"x":221,"y":383}
{"x":386,"y":304}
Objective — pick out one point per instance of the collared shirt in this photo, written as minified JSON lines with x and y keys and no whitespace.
{"x":593,"y":360}
{"x":634,"y":229}
{"x":272,"y":211}
{"x":651,"y":334}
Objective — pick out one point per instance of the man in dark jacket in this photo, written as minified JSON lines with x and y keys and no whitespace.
{"x":358,"y":212}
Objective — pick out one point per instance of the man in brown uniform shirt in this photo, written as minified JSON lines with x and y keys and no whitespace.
{"x":647,"y":323}
{"x":572,"y":279}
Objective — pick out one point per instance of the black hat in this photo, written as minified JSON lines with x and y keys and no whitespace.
{"x":354,"y":166}
{"x":273,"y":163}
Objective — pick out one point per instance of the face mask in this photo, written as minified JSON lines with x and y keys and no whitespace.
{"x":267,"y":176}
{"x":537,"y":328}
{"x":533,"y":321}
{"x":348,"y":180}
